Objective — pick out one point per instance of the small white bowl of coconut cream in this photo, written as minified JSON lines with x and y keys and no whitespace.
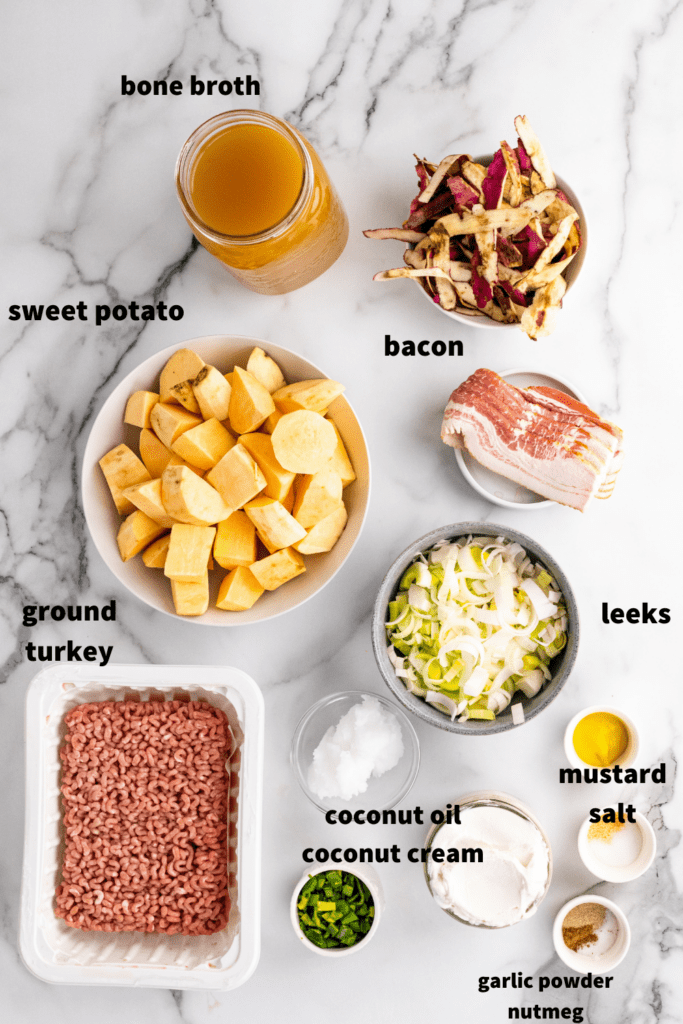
{"x":617,"y":851}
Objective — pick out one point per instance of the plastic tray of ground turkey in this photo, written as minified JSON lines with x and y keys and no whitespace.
{"x":225,"y":951}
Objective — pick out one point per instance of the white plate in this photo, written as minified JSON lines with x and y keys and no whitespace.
{"x":499,"y":489}
{"x":62,"y":955}
{"x":150,"y":585}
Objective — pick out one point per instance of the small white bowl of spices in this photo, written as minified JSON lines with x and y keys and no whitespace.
{"x":617,"y":850}
{"x":591,"y":934}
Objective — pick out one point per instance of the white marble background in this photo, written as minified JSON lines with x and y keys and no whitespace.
{"x":90,"y":214}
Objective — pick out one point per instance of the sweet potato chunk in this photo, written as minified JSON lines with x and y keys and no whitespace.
{"x":235,"y":542}
{"x":170,"y":421}
{"x":189,"y":499}
{"x":204,"y":445}
{"x":341,"y":462}
{"x":191,"y":598}
{"x":265,"y":370}
{"x":325,"y":534}
{"x":250,"y":402}
{"x":276,"y":527}
{"x":147,"y":497}
{"x":278,"y":568}
{"x":138,"y":408}
{"x":260,"y":447}
{"x":183,"y":365}
{"x":154,"y":556}
{"x":239,"y":590}
{"x":315,"y":395}
{"x":317,"y":495}
{"x":184,"y":395}
{"x":303,"y":441}
{"x":189,"y":549}
{"x":122,"y":468}
{"x":135,"y":533}
{"x":237,"y":477}
{"x":212,"y":392}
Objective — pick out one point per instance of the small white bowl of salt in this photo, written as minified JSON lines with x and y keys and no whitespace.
{"x":620,"y":846}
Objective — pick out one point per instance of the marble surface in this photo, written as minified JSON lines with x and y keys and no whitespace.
{"x":91,"y":215}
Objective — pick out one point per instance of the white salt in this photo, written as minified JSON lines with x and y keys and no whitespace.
{"x":366,"y":742}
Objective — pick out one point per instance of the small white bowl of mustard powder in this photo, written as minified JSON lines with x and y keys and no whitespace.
{"x":601,"y":736}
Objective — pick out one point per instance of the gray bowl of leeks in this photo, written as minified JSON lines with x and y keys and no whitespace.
{"x":521,"y":708}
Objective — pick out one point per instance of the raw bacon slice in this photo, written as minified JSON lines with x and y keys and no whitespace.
{"x":537,"y":436}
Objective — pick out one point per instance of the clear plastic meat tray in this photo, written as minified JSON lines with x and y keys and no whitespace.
{"x":60,"y":954}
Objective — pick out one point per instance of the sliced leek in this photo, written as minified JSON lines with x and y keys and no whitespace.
{"x":474,"y":621}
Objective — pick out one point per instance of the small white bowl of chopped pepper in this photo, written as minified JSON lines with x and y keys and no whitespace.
{"x":337,"y":912}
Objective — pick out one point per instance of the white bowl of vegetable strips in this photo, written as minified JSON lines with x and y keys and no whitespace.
{"x":337,"y":912}
{"x":475,"y":628}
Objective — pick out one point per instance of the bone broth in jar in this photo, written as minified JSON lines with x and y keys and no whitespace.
{"x":258,"y":198}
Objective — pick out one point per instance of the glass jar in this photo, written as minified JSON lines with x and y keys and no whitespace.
{"x":304,"y":241}
{"x":499,"y":802}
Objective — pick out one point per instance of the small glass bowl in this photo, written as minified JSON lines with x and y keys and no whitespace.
{"x":383,"y":792}
{"x":488,"y":798}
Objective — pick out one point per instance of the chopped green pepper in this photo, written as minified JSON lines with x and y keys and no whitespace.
{"x":335,"y":909}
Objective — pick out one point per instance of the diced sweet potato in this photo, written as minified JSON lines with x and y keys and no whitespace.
{"x":288,"y":500}
{"x":135,"y":533}
{"x":153,"y":452}
{"x":188,"y":552}
{"x":270,"y":422}
{"x":122,"y":468}
{"x":325,"y":534}
{"x":183,"y":365}
{"x":138,"y":408}
{"x":276,"y":527}
{"x":170,"y":421}
{"x":184,"y":395}
{"x":314,"y":395}
{"x":265,"y":370}
{"x":341,"y":462}
{"x":147,"y":497}
{"x":278,"y":568}
{"x":250,"y":402}
{"x":235,"y":542}
{"x":237,"y":477}
{"x":191,"y":598}
{"x":204,"y":445}
{"x":189,"y":499}
{"x":239,"y":590}
{"x":154,"y":556}
{"x":212,"y":391}
{"x":303,"y":441}
{"x":317,"y":495}
{"x":260,"y":447}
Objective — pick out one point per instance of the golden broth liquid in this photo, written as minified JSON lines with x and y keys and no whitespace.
{"x":258,"y":198}
{"x":246,"y":180}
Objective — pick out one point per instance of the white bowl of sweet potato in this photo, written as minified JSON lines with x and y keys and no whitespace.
{"x":188,"y":501}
